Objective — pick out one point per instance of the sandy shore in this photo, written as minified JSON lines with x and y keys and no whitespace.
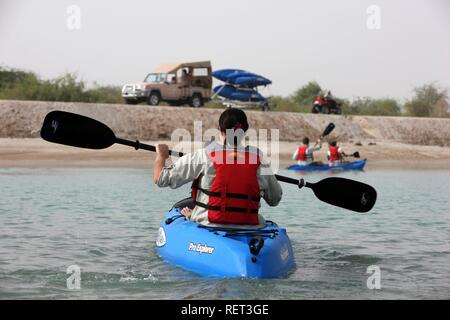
{"x":36,"y":153}
{"x":387,"y":142}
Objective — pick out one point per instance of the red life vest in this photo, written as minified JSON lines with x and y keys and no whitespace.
{"x":234,"y":195}
{"x":319,"y":100}
{"x":301,"y":153}
{"x":334,"y":154}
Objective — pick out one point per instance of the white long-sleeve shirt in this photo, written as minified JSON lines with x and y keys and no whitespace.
{"x":198,"y":164}
{"x":336,"y":162}
{"x":309,"y":155}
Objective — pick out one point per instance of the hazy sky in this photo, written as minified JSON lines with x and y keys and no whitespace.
{"x":290,"y":42}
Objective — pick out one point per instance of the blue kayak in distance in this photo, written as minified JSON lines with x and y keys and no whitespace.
{"x":356,"y":165}
{"x":219,"y":252}
{"x":233,"y":93}
{"x":242,"y":78}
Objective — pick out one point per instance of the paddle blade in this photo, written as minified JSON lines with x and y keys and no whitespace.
{"x":328,"y":129}
{"x":345,"y":193}
{"x":76,"y":130}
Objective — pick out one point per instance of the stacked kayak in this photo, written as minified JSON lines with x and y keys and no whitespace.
{"x":232,"y":93}
{"x":240,"y":85}
{"x":222,"y":252}
{"x":356,"y":165}
{"x":241,"y":78}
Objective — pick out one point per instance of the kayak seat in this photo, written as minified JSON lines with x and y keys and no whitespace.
{"x":188,"y":202}
{"x":229,"y":232}
{"x":239,"y":232}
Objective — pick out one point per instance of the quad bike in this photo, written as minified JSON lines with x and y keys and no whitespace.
{"x":326,"y":105}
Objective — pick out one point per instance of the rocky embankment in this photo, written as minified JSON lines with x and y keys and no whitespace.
{"x":23,"y":119}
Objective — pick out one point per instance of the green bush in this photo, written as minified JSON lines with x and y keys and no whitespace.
{"x":22,"y":85}
{"x":306,"y":94}
{"x":373,"y":107}
{"x":283,"y":104}
{"x":428,"y":101}
{"x":10,"y":78}
{"x":105,"y":94}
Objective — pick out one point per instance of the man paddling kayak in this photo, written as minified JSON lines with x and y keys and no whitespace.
{"x":304,"y":153}
{"x":226,"y":176}
{"x":335,"y":154}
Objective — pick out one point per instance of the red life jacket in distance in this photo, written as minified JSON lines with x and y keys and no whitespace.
{"x":318,"y":99}
{"x":334,"y":154}
{"x":301,"y":153}
{"x":235,"y":194}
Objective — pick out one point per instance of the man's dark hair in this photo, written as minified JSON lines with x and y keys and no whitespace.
{"x":233,"y":118}
{"x":333,"y":143}
{"x":305,"y":140}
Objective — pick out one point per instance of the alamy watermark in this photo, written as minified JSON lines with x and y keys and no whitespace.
{"x":267,"y":141}
{"x":374,"y":280}
{"x":73,"y":21}
{"x":374,"y":17}
{"x":73,"y":282}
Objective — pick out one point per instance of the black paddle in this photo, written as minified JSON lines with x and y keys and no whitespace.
{"x":79,"y":131}
{"x":327,"y":130}
{"x":345,"y":193}
{"x":354,"y":154}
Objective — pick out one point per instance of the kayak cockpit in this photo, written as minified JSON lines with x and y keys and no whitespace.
{"x":224,"y":252}
{"x":253,"y":237}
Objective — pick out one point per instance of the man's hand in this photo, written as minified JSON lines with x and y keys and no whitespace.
{"x":318,"y":142}
{"x":162,"y":151}
{"x":162,"y":154}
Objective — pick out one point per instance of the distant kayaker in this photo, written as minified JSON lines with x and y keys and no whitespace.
{"x":304,"y":153}
{"x":227,"y":178}
{"x":335,"y":154}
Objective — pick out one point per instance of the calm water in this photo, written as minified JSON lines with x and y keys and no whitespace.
{"x":106,"y":221}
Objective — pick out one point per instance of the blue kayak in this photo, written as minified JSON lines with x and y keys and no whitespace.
{"x":233,"y":93}
{"x":242,"y":78}
{"x":356,"y":165}
{"x":219,"y":252}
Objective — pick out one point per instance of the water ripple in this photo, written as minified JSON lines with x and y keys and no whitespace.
{"x":105,"y":221}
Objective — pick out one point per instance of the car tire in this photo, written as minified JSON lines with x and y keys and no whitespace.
{"x":196,"y":101}
{"x":154,"y":98}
